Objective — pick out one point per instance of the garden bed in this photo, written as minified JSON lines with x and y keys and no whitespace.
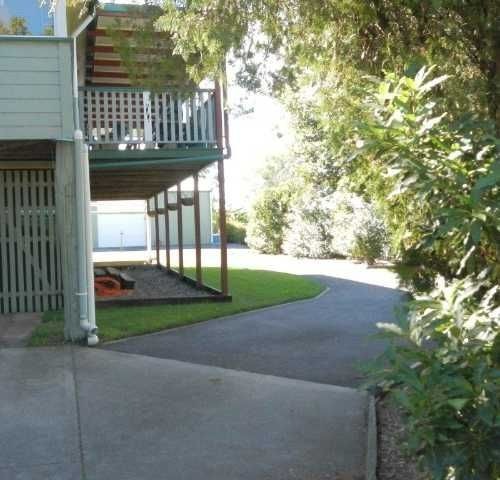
{"x":392,"y":463}
{"x":155,"y":286}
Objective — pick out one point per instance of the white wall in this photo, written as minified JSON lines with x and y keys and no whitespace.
{"x":122,"y":225}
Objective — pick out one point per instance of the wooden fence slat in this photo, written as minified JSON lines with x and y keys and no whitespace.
{"x":4,"y":304}
{"x":35,"y":226}
{"x":26,"y":180}
{"x":19,"y":240}
{"x":12,"y":240}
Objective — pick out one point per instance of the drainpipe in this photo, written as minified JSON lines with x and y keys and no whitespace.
{"x":85,"y":294}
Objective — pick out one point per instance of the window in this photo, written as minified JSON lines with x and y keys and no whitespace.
{"x":25,"y":17}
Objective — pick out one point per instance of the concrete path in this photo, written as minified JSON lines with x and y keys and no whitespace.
{"x":324,"y":340}
{"x":82,"y":414}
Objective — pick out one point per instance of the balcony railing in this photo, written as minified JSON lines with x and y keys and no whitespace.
{"x":134,"y":116}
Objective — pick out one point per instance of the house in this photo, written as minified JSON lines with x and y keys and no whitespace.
{"x":74,"y":128}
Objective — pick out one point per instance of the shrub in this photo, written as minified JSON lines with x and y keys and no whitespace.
{"x":332,"y":225}
{"x":309,"y":230}
{"x":370,"y":241}
{"x":443,"y":369}
{"x":445,"y":177}
{"x":236,"y":226}
{"x":268,"y":220}
{"x":236,"y":231}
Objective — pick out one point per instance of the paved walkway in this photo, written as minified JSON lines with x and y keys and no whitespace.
{"x":73,"y":413}
{"x":16,"y":329}
{"x":323,"y":340}
{"x":81,"y":414}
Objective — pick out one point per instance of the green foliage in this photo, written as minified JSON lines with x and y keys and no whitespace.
{"x":335,"y":41}
{"x":338,"y":224}
{"x":16,"y":26}
{"x":236,"y":226}
{"x":370,"y":243}
{"x":147,"y":54}
{"x":443,"y":369}
{"x":268,"y":220}
{"x":445,"y":176}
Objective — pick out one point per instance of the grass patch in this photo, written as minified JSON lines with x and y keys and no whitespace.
{"x":250,"y":289}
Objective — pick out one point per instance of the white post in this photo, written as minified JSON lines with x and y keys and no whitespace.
{"x":148,"y":122}
{"x":148,"y":234}
{"x":60,"y":24}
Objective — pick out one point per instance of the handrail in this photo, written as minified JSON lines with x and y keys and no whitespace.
{"x":115,"y":88}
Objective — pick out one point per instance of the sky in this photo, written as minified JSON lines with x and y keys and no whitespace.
{"x":37,"y":18}
{"x":255,"y":138}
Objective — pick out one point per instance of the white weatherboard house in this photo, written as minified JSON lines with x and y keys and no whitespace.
{"x":74,"y":128}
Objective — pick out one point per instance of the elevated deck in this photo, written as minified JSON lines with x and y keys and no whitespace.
{"x":142,"y":142}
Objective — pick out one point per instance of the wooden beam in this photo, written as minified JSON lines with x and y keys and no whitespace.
{"x":197,"y":230}
{"x":157,"y":232}
{"x":222,"y":229}
{"x":179,"y":230}
{"x":167,"y":228}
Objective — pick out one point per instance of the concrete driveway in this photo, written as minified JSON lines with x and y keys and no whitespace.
{"x":75,"y":413}
{"x":325,"y":340}
{"x":81,"y":414}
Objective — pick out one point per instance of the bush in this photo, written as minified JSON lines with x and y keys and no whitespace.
{"x":333,"y":225}
{"x":444,"y":365}
{"x":443,"y":369}
{"x":370,"y":242}
{"x":236,"y":231}
{"x":309,"y":230}
{"x":445,"y":177}
{"x":236,"y":226}
{"x":268,"y":220}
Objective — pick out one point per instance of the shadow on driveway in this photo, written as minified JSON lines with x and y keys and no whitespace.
{"x":320,"y":340}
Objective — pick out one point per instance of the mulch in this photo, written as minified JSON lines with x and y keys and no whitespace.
{"x":393,"y":464}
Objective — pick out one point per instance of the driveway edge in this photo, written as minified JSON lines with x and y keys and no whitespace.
{"x":371,"y":441}
{"x":224,"y":317}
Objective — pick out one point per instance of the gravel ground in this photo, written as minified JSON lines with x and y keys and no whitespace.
{"x":392,"y":463}
{"x":154,"y":283}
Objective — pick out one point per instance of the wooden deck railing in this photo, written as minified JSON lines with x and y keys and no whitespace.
{"x":112,"y":115}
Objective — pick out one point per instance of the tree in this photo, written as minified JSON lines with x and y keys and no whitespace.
{"x":16,"y":26}
{"x":338,"y":41}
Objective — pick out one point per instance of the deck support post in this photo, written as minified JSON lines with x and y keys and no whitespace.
{"x":179,"y":230}
{"x":148,"y":233}
{"x":157,"y":231}
{"x":167,"y":228}
{"x":222,"y":193}
{"x":197,"y":230}
{"x":222,"y":229}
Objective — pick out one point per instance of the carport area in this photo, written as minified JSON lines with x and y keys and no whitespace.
{"x":72,"y":413}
